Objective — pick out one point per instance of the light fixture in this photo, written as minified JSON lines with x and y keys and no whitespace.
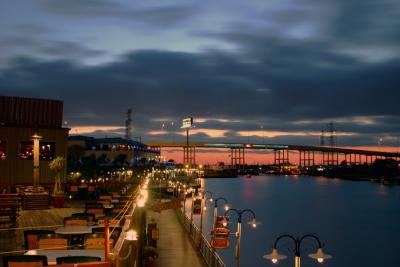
{"x":320,"y":256}
{"x":131,"y":235}
{"x":275,"y":256}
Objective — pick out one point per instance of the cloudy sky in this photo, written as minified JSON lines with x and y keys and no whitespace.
{"x":274,"y":71}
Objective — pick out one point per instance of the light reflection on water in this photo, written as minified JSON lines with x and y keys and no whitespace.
{"x":359,"y":222}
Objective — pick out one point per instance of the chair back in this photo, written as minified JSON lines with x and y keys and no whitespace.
{"x":90,"y":205}
{"x":77,"y":259}
{"x":87,"y":264}
{"x":112,"y":223}
{"x":96,"y":241}
{"x":52,"y":241}
{"x":30,"y":237}
{"x":96,"y":211}
{"x":74,"y":221}
{"x":25,"y":261}
{"x":105,"y":197}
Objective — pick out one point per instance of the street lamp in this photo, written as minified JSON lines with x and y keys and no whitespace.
{"x":36,"y":170}
{"x":253,"y":223}
{"x":226,"y":207}
{"x":204,"y":207}
{"x":320,"y":256}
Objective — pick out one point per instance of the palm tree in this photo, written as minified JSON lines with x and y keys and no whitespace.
{"x":57,"y":165}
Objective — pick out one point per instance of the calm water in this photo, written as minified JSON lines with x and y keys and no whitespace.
{"x":359,"y":222}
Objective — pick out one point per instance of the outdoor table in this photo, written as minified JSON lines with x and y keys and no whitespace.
{"x":53,"y":254}
{"x":74,"y":230}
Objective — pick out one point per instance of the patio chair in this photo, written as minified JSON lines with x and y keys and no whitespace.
{"x":30,"y":237}
{"x":96,"y":241}
{"x":77,"y":259}
{"x":52,"y":241}
{"x":25,"y":261}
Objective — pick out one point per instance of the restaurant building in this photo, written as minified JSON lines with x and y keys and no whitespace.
{"x":112,"y":147}
{"x":20,"y":119}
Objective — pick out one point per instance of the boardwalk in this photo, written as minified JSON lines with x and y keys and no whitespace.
{"x":174,"y":246}
{"x":12,"y":240}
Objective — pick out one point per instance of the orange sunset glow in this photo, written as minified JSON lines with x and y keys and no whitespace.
{"x":213,"y":156}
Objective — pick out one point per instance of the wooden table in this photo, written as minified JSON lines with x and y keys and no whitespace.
{"x":52,"y":255}
{"x":74,"y":230}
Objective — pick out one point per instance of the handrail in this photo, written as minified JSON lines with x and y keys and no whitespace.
{"x":209,"y":254}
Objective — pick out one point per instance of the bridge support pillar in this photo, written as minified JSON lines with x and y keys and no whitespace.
{"x":330,"y":158}
{"x":281,"y":156}
{"x":189,"y":156}
{"x":237,"y":157}
{"x":307,"y":158}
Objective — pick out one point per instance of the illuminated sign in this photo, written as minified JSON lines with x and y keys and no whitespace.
{"x":187,"y":122}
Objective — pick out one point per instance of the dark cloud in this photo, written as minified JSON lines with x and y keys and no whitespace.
{"x":160,"y":84}
{"x":69,"y":50}
{"x":294,"y":66}
{"x":154,"y":15}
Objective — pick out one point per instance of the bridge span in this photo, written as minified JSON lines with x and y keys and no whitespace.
{"x":330,"y":155}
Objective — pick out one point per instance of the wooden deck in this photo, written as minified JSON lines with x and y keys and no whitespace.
{"x":12,"y":239}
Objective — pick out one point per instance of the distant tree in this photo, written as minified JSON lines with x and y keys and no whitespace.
{"x":89,"y":166}
{"x":76,"y":152}
{"x":74,"y":155}
{"x":120,"y":160}
{"x":102,"y":159}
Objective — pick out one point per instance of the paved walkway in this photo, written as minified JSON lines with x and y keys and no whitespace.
{"x":174,"y":246}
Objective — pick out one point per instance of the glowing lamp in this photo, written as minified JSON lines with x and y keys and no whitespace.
{"x":320,"y":256}
{"x":274,"y":256}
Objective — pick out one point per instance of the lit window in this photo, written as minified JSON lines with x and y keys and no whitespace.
{"x":26,"y":150}
{"x":46,"y":150}
{"x":2,"y":150}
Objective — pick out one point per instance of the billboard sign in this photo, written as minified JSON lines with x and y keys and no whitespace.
{"x":187,"y":122}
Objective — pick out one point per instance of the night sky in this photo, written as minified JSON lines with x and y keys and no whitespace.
{"x":272,"y":71}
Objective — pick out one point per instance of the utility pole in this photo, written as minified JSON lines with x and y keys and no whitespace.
{"x":128,"y":125}
{"x":322,"y":138}
{"x":332,"y":131}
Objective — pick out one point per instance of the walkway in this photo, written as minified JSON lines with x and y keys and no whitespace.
{"x":174,"y":246}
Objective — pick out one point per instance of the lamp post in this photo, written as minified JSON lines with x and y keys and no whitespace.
{"x":320,"y":256}
{"x":238,"y":234}
{"x":141,"y":221}
{"x":226,"y":207}
{"x":36,"y":170}
{"x":204,"y":207}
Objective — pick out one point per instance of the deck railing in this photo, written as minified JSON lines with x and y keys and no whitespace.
{"x":209,"y":254}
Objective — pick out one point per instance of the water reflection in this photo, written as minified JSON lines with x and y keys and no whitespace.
{"x":354,"y":219}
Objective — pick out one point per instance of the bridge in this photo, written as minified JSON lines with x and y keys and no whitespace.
{"x":330,"y":155}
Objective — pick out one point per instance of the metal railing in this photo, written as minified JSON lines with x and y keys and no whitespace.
{"x":209,"y":254}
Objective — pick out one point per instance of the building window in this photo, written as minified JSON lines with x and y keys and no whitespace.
{"x":46,"y":150}
{"x":26,"y":150}
{"x":2,"y":150}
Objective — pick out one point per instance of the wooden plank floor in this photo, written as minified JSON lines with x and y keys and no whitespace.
{"x":12,"y":239}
